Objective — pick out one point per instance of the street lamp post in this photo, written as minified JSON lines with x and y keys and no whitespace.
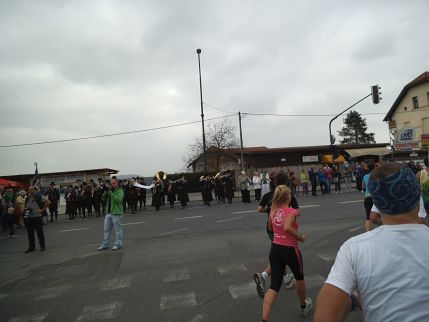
{"x":202,"y":112}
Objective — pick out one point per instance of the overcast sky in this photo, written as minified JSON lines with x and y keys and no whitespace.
{"x":80,"y":68}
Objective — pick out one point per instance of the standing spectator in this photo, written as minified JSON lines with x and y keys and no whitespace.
{"x":114,"y":216}
{"x":257,"y":185}
{"x":312,"y":174}
{"x":3,"y":218}
{"x":360,"y":172}
{"x":328,"y":175}
{"x":321,"y":177}
{"x":35,"y":206}
{"x":229,"y":186}
{"x":53,"y":195}
{"x":423,"y":177}
{"x":265,"y":183}
{"x":20,"y":207}
{"x":347,"y":176}
{"x":10,"y":211}
{"x":389,"y":266}
{"x":304,"y":183}
{"x":336,"y":178}
{"x":243,"y":183}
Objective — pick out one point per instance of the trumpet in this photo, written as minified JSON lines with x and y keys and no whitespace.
{"x":161,"y":175}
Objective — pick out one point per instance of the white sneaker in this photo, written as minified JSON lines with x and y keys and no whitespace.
{"x":116,"y":247}
{"x":308,"y":306}
{"x":288,"y":280}
{"x":260,"y":284}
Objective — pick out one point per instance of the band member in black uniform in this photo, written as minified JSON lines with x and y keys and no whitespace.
{"x":141,"y":193}
{"x":124,"y":186}
{"x":171,"y":193}
{"x":77,"y":200}
{"x":164,"y":191}
{"x":83,"y":198}
{"x":182,"y":192}
{"x":219,"y":189}
{"x":90,"y":197}
{"x":96,"y":199}
{"x":157,"y":193}
{"x":132,"y":197}
{"x":206,"y":189}
{"x":53,"y":195}
{"x":229,"y":186}
{"x":101,"y":189}
{"x":70,"y":204}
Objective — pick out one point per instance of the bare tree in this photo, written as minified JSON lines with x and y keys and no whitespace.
{"x":219,"y":135}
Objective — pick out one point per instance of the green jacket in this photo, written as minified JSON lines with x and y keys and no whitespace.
{"x":114,"y":201}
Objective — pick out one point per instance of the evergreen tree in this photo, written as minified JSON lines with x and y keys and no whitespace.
{"x":355,"y":129}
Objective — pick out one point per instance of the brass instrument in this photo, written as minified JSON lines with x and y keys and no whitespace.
{"x":161,"y":175}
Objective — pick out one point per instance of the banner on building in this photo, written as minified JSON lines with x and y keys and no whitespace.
{"x":310,"y":158}
{"x":424,"y":140}
{"x":406,"y":139}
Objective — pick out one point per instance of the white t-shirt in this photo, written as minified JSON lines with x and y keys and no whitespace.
{"x":422,"y":211}
{"x":389,"y":266}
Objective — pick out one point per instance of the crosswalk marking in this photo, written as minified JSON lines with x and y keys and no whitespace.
{"x":134,"y":223}
{"x":231,"y":268}
{"x":74,"y":229}
{"x":52,"y":292}
{"x":30,"y":318}
{"x":328,"y":257}
{"x":243,"y":212}
{"x":309,"y":206}
{"x":230,"y":219}
{"x":100,"y":312}
{"x":356,"y":228}
{"x":175,"y":301}
{"x":190,"y":217}
{"x":116,"y":283}
{"x":174,"y":231}
{"x":177,"y":275}
{"x":351,"y":201}
{"x":242,"y":290}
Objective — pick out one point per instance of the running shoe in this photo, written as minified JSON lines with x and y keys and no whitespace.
{"x":308,"y":306}
{"x":288,"y":280}
{"x":260,"y":285}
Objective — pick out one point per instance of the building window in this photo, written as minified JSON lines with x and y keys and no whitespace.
{"x":415,"y":102}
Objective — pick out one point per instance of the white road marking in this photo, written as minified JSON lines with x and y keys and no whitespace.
{"x":242,"y":290}
{"x":243,"y":212}
{"x":196,"y":207}
{"x":328,"y":257}
{"x":52,"y":292}
{"x":315,"y":280}
{"x":174,"y":231}
{"x":177,"y":275}
{"x":309,"y":206}
{"x":231,"y":268}
{"x":30,"y":318}
{"x":356,"y":228}
{"x":178,"y":301}
{"x":116,"y":283}
{"x":75,"y":229}
{"x":191,"y":217}
{"x":351,"y":201}
{"x":100,"y":312}
{"x":134,"y":223}
{"x":229,"y":219}
{"x":197,"y":318}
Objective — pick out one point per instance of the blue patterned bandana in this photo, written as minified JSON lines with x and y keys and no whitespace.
{"x":396,"y":194}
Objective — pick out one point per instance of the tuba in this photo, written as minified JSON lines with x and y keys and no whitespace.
{"x":161,"y":175}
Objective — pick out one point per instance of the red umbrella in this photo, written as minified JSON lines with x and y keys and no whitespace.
{"x":10,"y":183}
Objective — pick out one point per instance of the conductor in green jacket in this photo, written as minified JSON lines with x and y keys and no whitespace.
{"x":113,"y":197}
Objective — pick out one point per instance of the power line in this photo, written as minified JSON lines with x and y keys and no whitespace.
{"x":218,"y":108}
{"x":303,"y":115}
{"x":113,"y":134}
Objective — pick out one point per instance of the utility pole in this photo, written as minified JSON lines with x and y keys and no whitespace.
{"x":241,"y":142}
{"x":202,"y":113}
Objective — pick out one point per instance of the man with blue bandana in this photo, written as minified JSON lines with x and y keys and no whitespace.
{"x":387,"y":266}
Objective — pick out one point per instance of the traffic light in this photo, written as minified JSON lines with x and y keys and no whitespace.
{"x":375,"y":92}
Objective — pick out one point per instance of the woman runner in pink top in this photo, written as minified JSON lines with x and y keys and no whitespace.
{"x":285,"y":252}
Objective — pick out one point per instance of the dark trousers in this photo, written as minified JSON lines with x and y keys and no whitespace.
{"x":53,"y":210}
{"x":97,"y":206}
{"x":313,"y":188}
{"x":35,"y":224}
{"x":11,"y":224}
{"x":359,"y":183}
{"x":142,"y":201}
{"x":133,"y":204}
{"x":88,"y":205}
{"x":258,"y":194}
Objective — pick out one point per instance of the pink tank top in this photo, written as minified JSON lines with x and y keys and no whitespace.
{"x":278,"y":217}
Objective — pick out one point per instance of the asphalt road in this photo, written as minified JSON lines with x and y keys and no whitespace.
{"x":185,"y":265}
